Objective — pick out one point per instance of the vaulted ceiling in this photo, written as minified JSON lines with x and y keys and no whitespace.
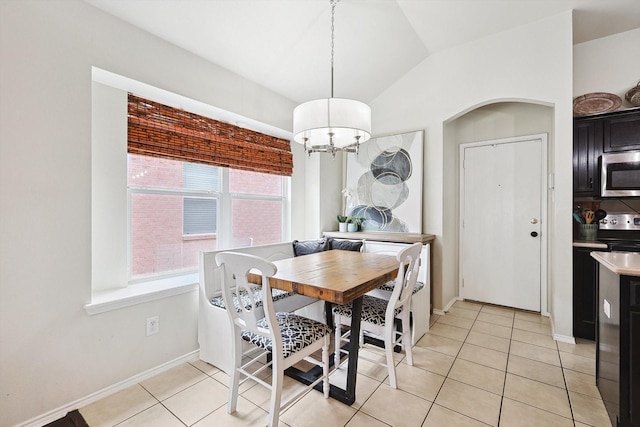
{"x":285,"y":45}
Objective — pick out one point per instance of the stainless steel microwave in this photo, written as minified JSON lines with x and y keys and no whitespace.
{"x":620,"y":174}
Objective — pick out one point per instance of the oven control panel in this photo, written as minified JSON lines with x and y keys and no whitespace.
{"x":620,"y":221}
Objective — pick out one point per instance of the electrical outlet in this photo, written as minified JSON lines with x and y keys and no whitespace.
{"x":153,"y":325}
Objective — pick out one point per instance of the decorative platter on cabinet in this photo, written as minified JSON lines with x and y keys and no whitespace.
{"x":596,"y":103}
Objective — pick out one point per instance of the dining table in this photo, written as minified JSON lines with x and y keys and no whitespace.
{"x":337,"y":277}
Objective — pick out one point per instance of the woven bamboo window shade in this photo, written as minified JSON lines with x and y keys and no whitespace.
{"x":158,"y":130}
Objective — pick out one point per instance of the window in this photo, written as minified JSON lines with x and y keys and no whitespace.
{"x":199,"y":216}
{"x":183,"y":195}
{"x":177,"y":209}
{"x":200,"y":213}
{"x":138,"y":234}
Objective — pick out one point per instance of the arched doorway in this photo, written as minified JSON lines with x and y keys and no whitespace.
{"x":491,"y":121}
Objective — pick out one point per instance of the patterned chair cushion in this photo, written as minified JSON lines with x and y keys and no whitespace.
{"x":297,"y":333}
{"x":373,"y":310}
{"x":389,"y":286}
{"x":246,"y":301}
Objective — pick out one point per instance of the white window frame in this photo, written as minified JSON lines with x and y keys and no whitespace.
{"x":224,"y":217}
{"x":224,"y":237}
{"x":110,"y":289}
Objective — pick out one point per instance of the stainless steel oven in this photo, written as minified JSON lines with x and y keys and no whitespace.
{"x":620,"y":174}
{"x":620,"y":231}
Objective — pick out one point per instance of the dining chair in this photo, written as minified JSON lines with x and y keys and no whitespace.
{"x":285,"y":338}
{"x":378,"y":318}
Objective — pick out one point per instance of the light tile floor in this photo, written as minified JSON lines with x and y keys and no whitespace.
{"x":478,"y":365}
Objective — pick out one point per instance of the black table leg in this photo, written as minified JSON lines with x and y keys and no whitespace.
{"x":354,"y":347}
{"x":328,"y":312}
{"x":348,"y":395}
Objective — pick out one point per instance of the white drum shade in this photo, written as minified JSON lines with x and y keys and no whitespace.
{"x":347,"y":119}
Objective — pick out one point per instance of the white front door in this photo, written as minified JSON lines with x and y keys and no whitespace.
{"x":501,"y":221}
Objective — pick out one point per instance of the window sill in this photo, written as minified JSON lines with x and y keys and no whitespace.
{"x":104,"y":301}
{"x":208,"y":236}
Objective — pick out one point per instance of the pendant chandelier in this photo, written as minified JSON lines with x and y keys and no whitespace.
{"x":330,"y":125}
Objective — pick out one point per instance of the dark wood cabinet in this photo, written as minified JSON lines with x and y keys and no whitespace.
{"x":630,"y":351}
{"x":618,"y":347}
{"x":594,"y":135}
{"x":621,"y":132}
{"x":585,"y":277}
{"x":587,"y":148}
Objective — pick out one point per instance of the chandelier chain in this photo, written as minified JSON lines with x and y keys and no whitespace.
{"x":333,"y":17}
{"x":333,"y":124}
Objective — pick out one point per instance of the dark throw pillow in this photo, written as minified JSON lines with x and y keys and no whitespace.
{"x":307,"y":247}
{"x":346,"y":245}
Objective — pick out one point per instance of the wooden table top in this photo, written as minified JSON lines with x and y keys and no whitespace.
{"x":336,"y":276}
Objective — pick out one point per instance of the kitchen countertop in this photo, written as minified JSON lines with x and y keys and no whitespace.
{"x":623,"y":263}
{"x":589,"y":244}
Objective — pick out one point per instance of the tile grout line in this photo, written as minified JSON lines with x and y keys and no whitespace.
{"x":449,"y":371}
{"x":506,"y":370}
{"x":365,"y":401}
{"x":187,"y":388}
{"x":435,"y":397}
{"x":175,"y":415}
{"x":456,"y":356}
{"x":138,"y":413}
{"x":566,"y":386}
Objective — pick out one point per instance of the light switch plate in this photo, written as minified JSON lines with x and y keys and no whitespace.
{"x":607,"y":309}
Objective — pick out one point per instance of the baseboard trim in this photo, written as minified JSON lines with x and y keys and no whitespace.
{"x":446,"y":307}
{"x":60,"y":412}
{"x":564,"y":338}
{"x":559,"y":337}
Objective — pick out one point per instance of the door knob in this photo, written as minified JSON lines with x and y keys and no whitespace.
{"x":534,"y":234}
{"x":534,"y":220}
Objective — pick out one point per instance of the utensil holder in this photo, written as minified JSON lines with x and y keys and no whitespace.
{"x":588,"y":231}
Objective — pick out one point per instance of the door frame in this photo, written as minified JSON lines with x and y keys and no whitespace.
{"x":545,"y":183}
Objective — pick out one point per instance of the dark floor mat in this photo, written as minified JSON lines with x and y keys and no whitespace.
{"x":72,"y":419}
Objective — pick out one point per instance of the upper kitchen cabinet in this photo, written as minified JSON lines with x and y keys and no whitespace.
{"x":587,"y":147}
{"x":593,"y":135}
{"x":622,"y":132}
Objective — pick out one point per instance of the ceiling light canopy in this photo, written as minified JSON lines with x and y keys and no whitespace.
{"x":332,"y":124}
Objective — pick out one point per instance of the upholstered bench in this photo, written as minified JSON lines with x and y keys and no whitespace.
{"x":421,"y":298}
{"x":214,"y":331}
{"x":245,"y":299}
{"x":389,"y":286}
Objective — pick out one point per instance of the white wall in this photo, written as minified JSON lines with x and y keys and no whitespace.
{"x":610,"y":64}
{"x":51,"y":352}
{"x":108,"y":187}
{"x":323,"y":180}
{"x":532,"y":62}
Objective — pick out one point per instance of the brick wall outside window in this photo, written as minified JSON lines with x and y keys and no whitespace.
{"x":157,"y":243}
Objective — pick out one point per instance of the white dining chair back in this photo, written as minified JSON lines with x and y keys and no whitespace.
{"x":379,"y":316}
{"x":285,"y":337}
{"x":409,"y":260}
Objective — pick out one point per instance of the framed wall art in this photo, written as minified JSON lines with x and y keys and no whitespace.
{"x":384,"y":183}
